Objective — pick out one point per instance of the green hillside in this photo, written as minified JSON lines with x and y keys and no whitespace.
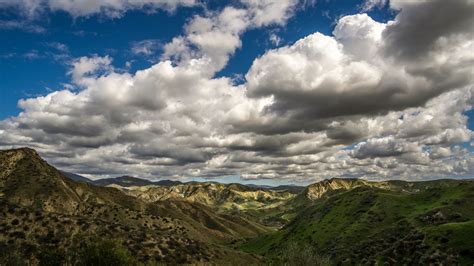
{"x":45,"y":216}
{"x":403,"y":223}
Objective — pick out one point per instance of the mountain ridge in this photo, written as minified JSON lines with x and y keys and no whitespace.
{"x":30,"y":188}
{"x":350,"y":221}
{"x":374,"y":222}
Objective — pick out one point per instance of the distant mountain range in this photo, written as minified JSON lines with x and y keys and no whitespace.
{"x":124,"y":181}
{"x":335,"y":221}
{"x":130,"y":181}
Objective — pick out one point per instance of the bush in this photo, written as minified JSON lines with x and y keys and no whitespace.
{"x":10,"y":254}
{"x":103,"y":252}
{"x":51,"y":258}
{"x":302,"y":254}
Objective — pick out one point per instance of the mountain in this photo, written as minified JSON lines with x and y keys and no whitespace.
{"x":167,"y":183}
{"x":124,"y":181}
{"x":259,"y":186}
{"x":129,"y":181}
{"x":220,"y":196}
{"x":77,"y":178}
{"x":330,"y":186}
{"x":290,"y":188}
{"x":350,"y":221}
{"x":46,"y":217}
{"x":41,"y":210}
{"x":264,"y":206}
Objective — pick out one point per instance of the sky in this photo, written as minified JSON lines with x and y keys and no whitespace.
{"x":252,"y":91}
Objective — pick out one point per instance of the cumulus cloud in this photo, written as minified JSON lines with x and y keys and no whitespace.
{"x":345,"y":105}
{"x":383,"y":147}
{"x":265,"y":12}
{"x":198,"y":48}
{"x":84,"y":68}
{"x":350,"y":73}
{"x":405,"y":41}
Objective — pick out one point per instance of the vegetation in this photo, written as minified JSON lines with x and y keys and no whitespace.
{"x":83,"y":251}
{"x":301,"y":255}
{"x":98,"y":251}
{"x":47,"y":219}
{"x":370,"y":225}
{"x":51,"y":210}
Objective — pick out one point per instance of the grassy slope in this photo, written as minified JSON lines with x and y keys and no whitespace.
{"x":435,"y":224}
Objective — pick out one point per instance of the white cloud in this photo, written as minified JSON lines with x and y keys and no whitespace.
{"x":383,"y":147}
{"x":266,"y":12}
{"x":145,"y":47}
{"x":371,"y":4}
{"x":81,"y":8}
{"x":321,"y":76}
{"x":326,"y":106}
{"x":32,"y":55}
{"x":84,"y":68}
{"x":21,"y":25}
{"x":198,"y":49}
{"x":275,"y":39}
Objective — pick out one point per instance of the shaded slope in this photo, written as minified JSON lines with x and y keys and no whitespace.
{"x":77,"y":178}
{"x":124,"y":181}
{"x":130,"y":181}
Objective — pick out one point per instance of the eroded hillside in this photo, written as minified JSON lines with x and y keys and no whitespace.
{"x":42,"y":209}
{"x":269,"y":207}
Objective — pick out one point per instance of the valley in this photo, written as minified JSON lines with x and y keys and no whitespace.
{"x":49,"y":215}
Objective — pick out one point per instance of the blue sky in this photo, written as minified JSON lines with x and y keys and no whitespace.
{"x":252,"y":91}
{"x":23,"y":51}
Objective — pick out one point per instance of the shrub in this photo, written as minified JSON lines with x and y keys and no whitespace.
{"x":51,"y":258}
{"x":103,"y":252}
{"x":302,"y":255}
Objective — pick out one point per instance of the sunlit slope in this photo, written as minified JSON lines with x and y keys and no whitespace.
{"x":269,"y":207}
{"x":41,"y":209}
{"x":421,"y":222}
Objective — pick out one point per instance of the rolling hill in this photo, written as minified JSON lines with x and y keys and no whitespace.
{"x":395,"y":222}
{"x":265,"y":206}
{"x":41,"y":209}
{"x":335,"y":221}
